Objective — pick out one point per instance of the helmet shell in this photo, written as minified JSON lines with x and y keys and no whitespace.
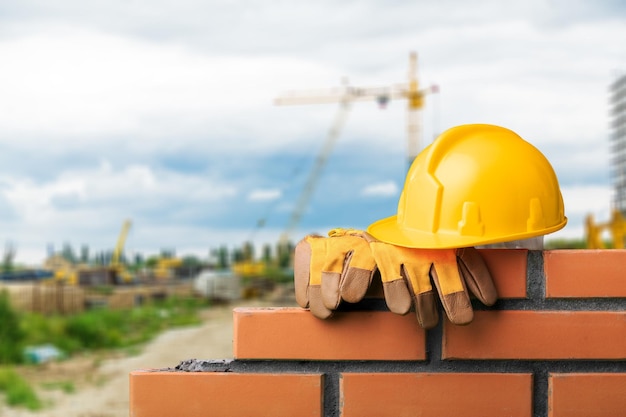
{"x":475,"y":184}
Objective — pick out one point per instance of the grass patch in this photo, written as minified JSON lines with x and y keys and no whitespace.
{"x":18,"y":393}
{"x":67,"y":387}
{"x":92,"y":330}
{"x":109,"y":329}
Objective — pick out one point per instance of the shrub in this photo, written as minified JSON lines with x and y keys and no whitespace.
{"x":11,"y":335}
{"x":97,"y":329}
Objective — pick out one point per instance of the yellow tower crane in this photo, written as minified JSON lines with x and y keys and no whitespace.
{"x":116,"y":264}
{"x":345,"y":95}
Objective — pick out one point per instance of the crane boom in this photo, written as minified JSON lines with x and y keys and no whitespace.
{"x":117,"y":252}
{"x":409,"y":91}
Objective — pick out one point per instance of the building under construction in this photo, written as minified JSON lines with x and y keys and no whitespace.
{"x":618,"y":141}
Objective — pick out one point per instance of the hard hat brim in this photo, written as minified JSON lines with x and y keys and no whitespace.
{"x":387,"y":230}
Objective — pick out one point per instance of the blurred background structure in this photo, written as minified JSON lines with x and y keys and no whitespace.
{"x":618,"y":141}
{"x":611,"y":233}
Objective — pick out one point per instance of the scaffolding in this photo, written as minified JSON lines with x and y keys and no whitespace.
{"x":618,"y":142}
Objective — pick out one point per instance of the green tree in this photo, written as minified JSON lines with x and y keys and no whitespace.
{"x":221,"y":256}
{"x":284,"y":252}
{"x":9,"y":256}
{"x":191,"y":261}
{"x":68,"y":253}
{"x":267,"y":253}
{"x":238,"y":255}
{"x":247,"y":251}
{"x":152,"y":261}
{"x":565,"y":244}
{"x":84,"y":254}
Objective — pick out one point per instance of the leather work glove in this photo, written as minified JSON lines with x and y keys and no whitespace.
{"x":329,"y":270}
{"x":408,"y":275}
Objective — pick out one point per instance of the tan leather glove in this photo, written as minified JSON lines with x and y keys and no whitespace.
{"x":408,"y":274}
{"x":329,"y":270}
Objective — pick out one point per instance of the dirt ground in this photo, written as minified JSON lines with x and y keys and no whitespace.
{"x":101,"y":382}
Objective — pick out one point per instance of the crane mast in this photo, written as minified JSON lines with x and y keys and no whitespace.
{"x":121,"y":240}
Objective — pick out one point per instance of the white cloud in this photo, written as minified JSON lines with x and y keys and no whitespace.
{"x":140,"y":84}
{"x":77,"y":84}
{"x":264,"y":194}
{"x":381,"y":189}
{"x":589,"y":199}
{"x":579,"y":202}
{"x":89,"y":205}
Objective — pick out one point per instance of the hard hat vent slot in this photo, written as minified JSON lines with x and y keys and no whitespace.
{"x":470,"y":224}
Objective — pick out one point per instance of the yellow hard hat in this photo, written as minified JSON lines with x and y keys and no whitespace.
{"x":474,"y":185}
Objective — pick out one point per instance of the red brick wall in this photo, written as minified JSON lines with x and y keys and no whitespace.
{"x":554,"y":345}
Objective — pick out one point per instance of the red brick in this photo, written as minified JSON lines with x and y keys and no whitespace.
{"x":538,"y":335}
{"x":585,"y":273}
{"x":294,"y":333}
{"x":508,"y":268}
{"x":216,"y":394}
{"x":587,"y":395}
{"x":436,"y":394}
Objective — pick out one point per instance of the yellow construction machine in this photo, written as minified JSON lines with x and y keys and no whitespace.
{"x":63,"y":271}
{"x":165,"y":268}
{"x":616,"y":226}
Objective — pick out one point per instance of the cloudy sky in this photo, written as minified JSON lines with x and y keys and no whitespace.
{"x":162,"y":111}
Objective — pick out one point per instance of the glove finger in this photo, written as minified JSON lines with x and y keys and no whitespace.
{"x":316,"y":303}
{"x":397,"y":295}
{"x":456,"y":304}
{"x":308,"y":261}
{"x":476,"y":275}
{"x":358,"y":272}
{"x":348,"y":270}
{"x":355,"y":284}
{"x":330,"y":293}
{"x":426,"y":309}
{"x":416,"y":273}
{"x":301,"y":271}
